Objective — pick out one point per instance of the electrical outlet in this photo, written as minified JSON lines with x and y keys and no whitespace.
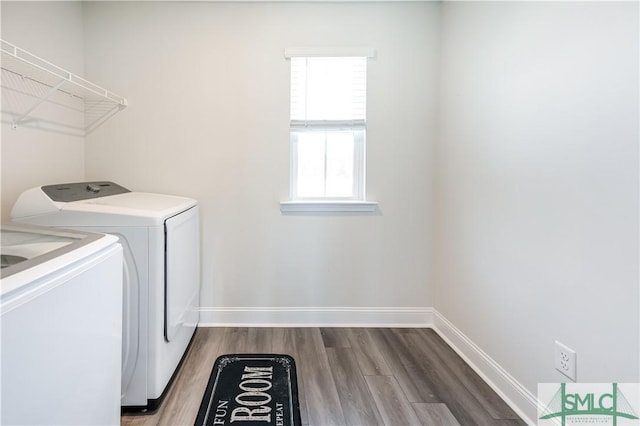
{"x":565,"y":360}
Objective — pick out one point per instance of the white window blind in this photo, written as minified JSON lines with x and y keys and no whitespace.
{"x":328,"y":92}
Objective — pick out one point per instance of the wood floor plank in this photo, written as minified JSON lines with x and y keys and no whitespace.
{"x":391,"y":401}
{"x":434,"y":414}
{"x":358,"y":405}
{"x":323,"y":402}
{"x":407,"y":368}
{"x":139,"y":420}
{"x":396,"y":367}
{"x":259,"y":340}
{"x":445,"y":384}
{"x":235,"y":340}
{"x":370,"y":359}
{"x":334,"y":338}
{"x":510,"y":422}
{"x":496,"y":407}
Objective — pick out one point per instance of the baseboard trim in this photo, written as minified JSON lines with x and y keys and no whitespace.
{"x":343,"y":316}
{"x":523,"y":402}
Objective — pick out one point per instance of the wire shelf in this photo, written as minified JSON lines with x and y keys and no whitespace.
{"x":39,"y":81}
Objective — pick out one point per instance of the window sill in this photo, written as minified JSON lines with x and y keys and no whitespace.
{"x":328,"y":206}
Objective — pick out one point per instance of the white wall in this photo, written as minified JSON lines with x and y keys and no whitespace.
{"x":208,"y":88}
{"x":32,"y":157}
{"x":536,"y":204}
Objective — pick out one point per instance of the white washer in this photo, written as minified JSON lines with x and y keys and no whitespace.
{"x":161,"y":240}
{"x":61,"y":316}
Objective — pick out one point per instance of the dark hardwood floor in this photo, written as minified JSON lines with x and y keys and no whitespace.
{"x":348,"y":376}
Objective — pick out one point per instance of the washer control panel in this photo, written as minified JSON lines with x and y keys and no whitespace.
{"x":68,"y":192}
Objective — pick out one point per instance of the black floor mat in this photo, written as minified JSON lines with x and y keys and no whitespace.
{"x":251,"y":389}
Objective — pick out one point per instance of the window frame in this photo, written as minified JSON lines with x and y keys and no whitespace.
{"x":357,"y":202}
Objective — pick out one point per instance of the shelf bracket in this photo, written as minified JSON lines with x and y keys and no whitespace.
{"x":52,"y":90}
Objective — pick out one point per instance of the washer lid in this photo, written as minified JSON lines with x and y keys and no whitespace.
{"x":43,"y":250}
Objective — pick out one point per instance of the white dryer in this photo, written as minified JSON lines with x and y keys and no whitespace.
{"x":161,"y":241}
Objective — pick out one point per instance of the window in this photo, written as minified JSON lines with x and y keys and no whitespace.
{"x":328,"y":128}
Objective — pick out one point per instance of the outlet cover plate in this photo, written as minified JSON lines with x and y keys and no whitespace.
{"x":565,"y":360}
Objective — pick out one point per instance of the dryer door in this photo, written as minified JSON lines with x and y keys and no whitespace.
{"x":182,"y":277}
